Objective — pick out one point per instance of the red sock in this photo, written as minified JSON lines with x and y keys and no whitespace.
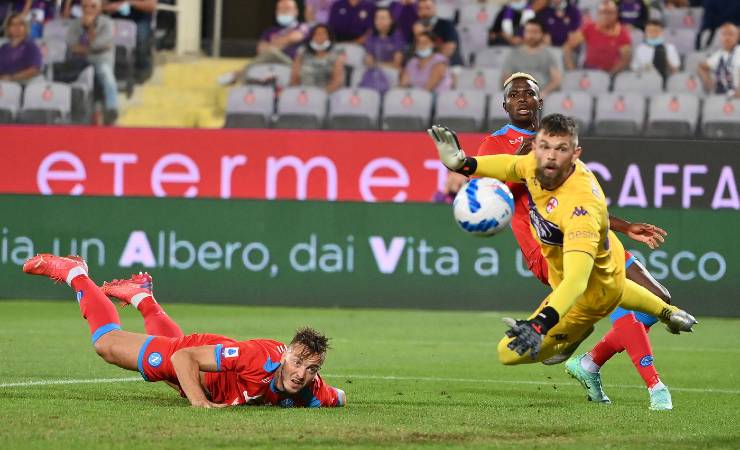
{"x":610,"y":344}
{"x":99,"y":312}
{"x":635,"y":341}
{"x":156,"y":321}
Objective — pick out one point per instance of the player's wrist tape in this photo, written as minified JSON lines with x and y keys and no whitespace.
{"x":469,"y":166}
{"x":545,"y":320}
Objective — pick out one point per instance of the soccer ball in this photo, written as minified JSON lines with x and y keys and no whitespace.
{"x":484,"y":206}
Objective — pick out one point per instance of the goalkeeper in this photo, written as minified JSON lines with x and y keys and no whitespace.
{"x":585,"y":259}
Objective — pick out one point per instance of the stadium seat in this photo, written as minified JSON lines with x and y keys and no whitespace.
{"x":391,"y":74}
{"x":46,"y":103}
{"x":486,"y":80}
{"x":355,"y":57}
{"x":687,"y":18}
{"x":480,"y":14}
{"x":407,"y":109}
{"x":492,"y":56}
{"x":124,"y":38}
{"x":721,"y":117}
{"x":473,"y":38}
{"x":692,"y":60}
{"x":354,"y":109}
{"x":56,"y":30}
{"x":461,"y":110}
{"x":619,"y":114}
{"x":672,"y":115}
{"x":685,"y":82}
{"x":264,"y":73}
{"x":51,"y":52}
{"x":683,"y":38}
{"x":646,"y":83}
{"x":250,"y":107}
{"x":10,"y":101}
{"x":83,"y":96}
{"x":447,"y":9}
{"x":557,"y":53}
{"x":301,"y":107}
{"x":637,"y":36}
{"x":497,"y":117}
{"x":594,"y":82}
{"x":578,"y":105}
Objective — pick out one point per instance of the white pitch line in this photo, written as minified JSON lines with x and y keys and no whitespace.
{"x":376,"y":377}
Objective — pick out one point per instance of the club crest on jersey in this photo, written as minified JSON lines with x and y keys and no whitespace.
{"x":231,"y":352}
{"x":551,"y":204}
{"x":578,"y":211}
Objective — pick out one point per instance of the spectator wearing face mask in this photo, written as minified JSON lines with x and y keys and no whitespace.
{"x":560,"y":18}
{"x":427,"y":69}
{"x":507,"y":27}
{"x":655,"y":53}
{"x":721,"y":71}
{"x":349,"y":20}
{"x":317,"y":64}
{"x":445,"y":37}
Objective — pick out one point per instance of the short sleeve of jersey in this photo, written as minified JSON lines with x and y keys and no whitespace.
{"x":328,"y":396}
{"x":582,"y":227}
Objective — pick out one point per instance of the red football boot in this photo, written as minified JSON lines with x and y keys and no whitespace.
{"x":125,"y":290}
{"x":55,"y":267}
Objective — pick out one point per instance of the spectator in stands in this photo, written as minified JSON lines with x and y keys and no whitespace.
{"x":317,"y":11}
{"x":718,"y":12}
{"x":508,"y":26}
{"x":350,"y":20}
{"x":428,"y":69}
{"x":141,"y":12}
{"x":20,"y":57}
{"x":655,"y":53}
{"x":560,"y":18}
{"x":446,"y":39}
{"x":317,"y":64}
{"x":384,"y":44}
{"x":633,"y":13}
{"x":72,"y":9}
{"x":404,"y":16}
{"x":608,"y":43}
{"x":90,"y":38}
{"x":721,"y":71}
{"x":534,"y":57}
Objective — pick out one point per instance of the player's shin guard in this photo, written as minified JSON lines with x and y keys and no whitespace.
{"x":99,"y":312}
{"x":156,"y":321}
{"x":637,"y":298}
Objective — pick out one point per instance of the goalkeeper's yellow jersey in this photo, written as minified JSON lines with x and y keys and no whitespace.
{"x":573,"y":217}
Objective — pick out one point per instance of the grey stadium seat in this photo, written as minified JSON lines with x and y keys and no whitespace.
{"x":578,"y":105}
{"x":10,"y":101}
{"x":354,"y":109}
{"x":391,"y":74}
{"x":721,"y":117}
{"x":473,"y":38}
{"x":594,"y":82}
{"x":672,"y":115}
{"x":354,"y":53}
{"x":497,"y":117}
{"x":646,"y":83}
{"x":301,"y":107}
{"x":619,"y":114}
{"x":486,"y":80}
{"x":478,"y":14}
{"x":692,"y":60}
{"x":461,"y":110}
{"x":250,"y":107}
{"x":124,"y":39}
{"x":83,"y":96}
{"x":56,"y":30}
{"x":447,"y":9}
{"x":492,"y":56}
{"x":684,"y":39}
{"x":687,"y":18}
{"x":686,"y":83}
{"x":46,"y":103}
{"x":261,"y":73}
{"x":407,"y":109}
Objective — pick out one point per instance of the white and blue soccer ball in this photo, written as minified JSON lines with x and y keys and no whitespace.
{"x":483,"y":206}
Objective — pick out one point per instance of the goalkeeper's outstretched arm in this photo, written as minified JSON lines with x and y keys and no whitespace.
{"x":502,"y":167}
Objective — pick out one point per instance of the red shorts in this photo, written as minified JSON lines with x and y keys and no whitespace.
{"x":155,"y":354}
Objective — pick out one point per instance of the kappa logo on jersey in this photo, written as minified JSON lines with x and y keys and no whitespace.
{"x":231,"y":352}
{"x":551,"y":204}
{"x":579,"y":211}
{"x":155,"y":359}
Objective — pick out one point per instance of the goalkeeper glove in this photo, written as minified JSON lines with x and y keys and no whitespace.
{"x":529,"y":334}
{"x":450,"y":152}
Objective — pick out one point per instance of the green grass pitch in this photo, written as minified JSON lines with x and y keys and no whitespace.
{"x":412,"y":378}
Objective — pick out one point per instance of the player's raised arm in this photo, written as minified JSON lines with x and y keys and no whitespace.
{"x":502,"y":167}
{"x":648,"y":234}
{"x":188,"y":363}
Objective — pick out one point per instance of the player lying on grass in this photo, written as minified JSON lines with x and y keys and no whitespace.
{"x":210,"y":370}
{"x":585,"y":260}
{"x":523,"y":103}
